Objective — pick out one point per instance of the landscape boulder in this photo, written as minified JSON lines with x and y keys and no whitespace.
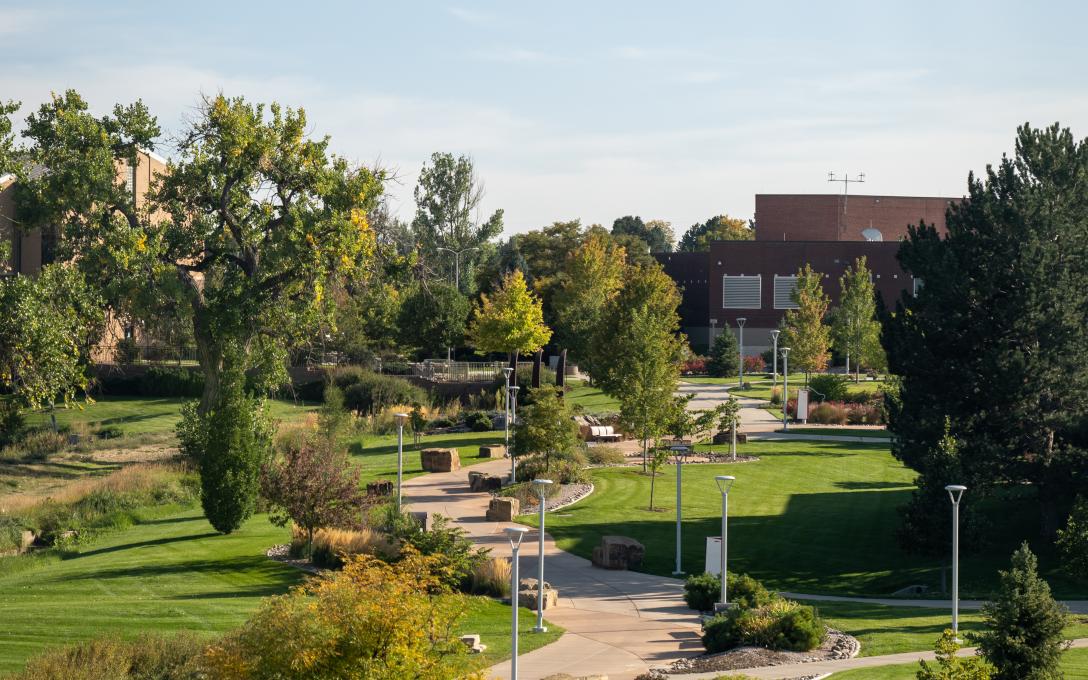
{"x":503,"y":509}
{"x":382,"y":487}
{"x":480,"y":482}
{"x":492,"y":451}
{"x":725,"y":438}
{"x":530,"y":598}
{"x":440,"y":460}
{"x":473,"y":643}
{"x":618,"y":552}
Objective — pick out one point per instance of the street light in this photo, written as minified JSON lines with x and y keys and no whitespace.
{"x":679,"y":452}
{"x":456,"y":284}
{"x":514,"y":419}
{"x":541,"y":489}
{"x":710,"y":345}
{"x":506,"y":407}
{"x":955,"y":492}
{"x":785,"y":387}
{"x":724,"y":483}
{"x":514,"y":534}
{"x":740,"y":354}
{"x":774,"y":359}
{"x":400,"y":418}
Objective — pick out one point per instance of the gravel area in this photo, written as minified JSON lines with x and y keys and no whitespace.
{"x":281,"y":553}
{"x":837,"y":645}
{"x":568,"y":495}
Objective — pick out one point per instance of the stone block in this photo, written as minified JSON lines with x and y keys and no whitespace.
{"x":382,"y":487}
{"x":473,"y":643}
{"x":618,"y":552}
{"x":423,"y":518}
{"x":440,"y":460}
{"x":480,"y":482}
{"x":492,"y":451}
{"x":503,"y":509}
{"x":530,"y":598}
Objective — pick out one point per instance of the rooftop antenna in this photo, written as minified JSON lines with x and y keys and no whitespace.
{"x":846,"y":181}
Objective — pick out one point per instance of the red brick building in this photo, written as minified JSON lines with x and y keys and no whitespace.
{"x":754,"y":279}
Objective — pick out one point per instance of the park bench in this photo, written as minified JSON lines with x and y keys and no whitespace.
{"x":604,"y":433}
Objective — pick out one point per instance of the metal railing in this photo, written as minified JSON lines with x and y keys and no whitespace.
{"x":459,"y":371}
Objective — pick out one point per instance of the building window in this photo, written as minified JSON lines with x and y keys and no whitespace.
{"x":130,"y":180}
{"x":741,"y":291}
{"x":918,"y":285}
{"x":784,"y":287}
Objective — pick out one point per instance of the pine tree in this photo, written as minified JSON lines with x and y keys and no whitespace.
{"x":805,"y":332}
{"x":724,"y":355}
{"x":1024,"y":623}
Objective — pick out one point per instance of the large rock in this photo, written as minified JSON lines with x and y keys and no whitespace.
{"x":726,"y":438}
{"x":618,"y":552}
{"x":531,"y":598}
{"x":480,"y":482}
{"x":503,"y":509}
{"x":440,"y":460}
{"x":382,"y":487}
{"x":492,"y":451}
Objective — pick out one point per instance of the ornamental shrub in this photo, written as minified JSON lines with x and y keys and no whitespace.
{"x":368,"y":392}
{"x":949,"y":666}
{"x":753,"y":363}
{"x":703,"y":591}
{"x":828,"y":386}
{"x":478,"y":421}
{"x":723,"y":355}
{"x":828,"y":414}
{"x":782,"y":624}
{"x":12,"y":422}
{"x":148,"y":657}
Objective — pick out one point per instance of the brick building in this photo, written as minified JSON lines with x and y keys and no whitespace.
{"x":754,"y":280}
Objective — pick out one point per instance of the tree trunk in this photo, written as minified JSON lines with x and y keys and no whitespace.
{"x":645,"y":460}
{"x":653,"y":477}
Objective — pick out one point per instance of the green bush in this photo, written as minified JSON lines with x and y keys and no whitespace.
{"x":747,"y":592}
{"x":11,"y":533}
{"x":149,"y":657}
{"x":561,"y":471}
{"x":458,"y":558}
{"x":368,"y":392}
{"x":1073,"y":541}
{"x":156,"y":381}
{"x":12,"y":422}
{"x":605,"y":455}
{"x":782,"y":624}
{"x":439,"y":423}
{"x":109,"y":432}
{"x":478,"y":421}
{"x":39,"y":445}
{"x":724,"y":355}
{"x":703,"y":591}
{"x":238,"y":437}
{"x":828,"y":386}
{"x":191,"y":433}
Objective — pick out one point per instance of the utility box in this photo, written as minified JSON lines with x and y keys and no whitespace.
{"x":713,"y":555}
{"x":802,"y":406}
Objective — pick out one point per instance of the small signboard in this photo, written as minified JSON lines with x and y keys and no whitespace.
{"x":713,"y":562}
{"x":802,"y":406}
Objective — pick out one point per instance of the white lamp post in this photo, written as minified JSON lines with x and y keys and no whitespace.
{"x":724,"y":483}
{"x":679,"y":452}
{"x":513,"y":418}
{"x":400,"y":418}
{"x":740,"y":354}
{"x":515,"y":534}
{"x":710,"y":345}
{"x":955,"y":492}
{"x":774,"y":359}
{"x":541,"y":490}
{"x":785,"y":387}
{"x":506,"y":406}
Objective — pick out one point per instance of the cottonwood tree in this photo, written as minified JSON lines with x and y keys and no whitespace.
{"x":590,"y":278}
{"x":804,"y":330}
{"x":698,"y":237}
{"x":656,"y":234}
{"x":855,"y":330}
{"x":997,"y":338}
{"x":433,"y":318}
{"x":448,"y":197}
{"x":510,"y":320}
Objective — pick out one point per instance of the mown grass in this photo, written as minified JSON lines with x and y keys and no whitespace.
{"x":842,"y":432}
{"x":592,"y":400}
{"x":1074,"y":666}
{"x":376,"y":455}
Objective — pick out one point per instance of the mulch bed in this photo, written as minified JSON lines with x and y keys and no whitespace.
{"x":837,"y":645}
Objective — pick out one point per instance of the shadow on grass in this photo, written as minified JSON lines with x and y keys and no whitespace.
{"x":140,"y":544}
{"x":244,"y":566}
{"x":854,"y":486}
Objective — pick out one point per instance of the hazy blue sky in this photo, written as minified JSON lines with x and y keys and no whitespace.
{"x":592,"y":110}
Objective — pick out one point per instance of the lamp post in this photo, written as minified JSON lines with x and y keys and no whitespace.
{"x":740,"y":354}
{"x":456,"y":284}
{"x":514,"y":534}
{"x":679,"y":452}
{"x":514,"y":419}
{"x":955,"y":492}
{"x":400,"y":418}
{"x":541,"y":490}
{"x":774,"y":359}
{"x":710,"y":344}
{"x":724,"y":483}
{"x":506,"y":407}
{"x":785,"y":387}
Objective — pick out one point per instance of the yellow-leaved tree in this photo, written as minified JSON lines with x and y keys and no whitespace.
{"x":510,"y":320}
{"x":805,"y":332}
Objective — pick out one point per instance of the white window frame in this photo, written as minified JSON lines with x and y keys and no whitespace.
{"x":791,"y":304}
{"x":759,"y":290}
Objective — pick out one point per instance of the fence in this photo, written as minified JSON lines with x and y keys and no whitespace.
{"x":459,"y":371}
{"x":134,"y":354}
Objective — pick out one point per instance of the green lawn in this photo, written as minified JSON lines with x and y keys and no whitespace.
{"x":840,"y":431}
{"x":1074,"y":666}
{"x":815,"y":517}
{"x":376,"y":455}
{"x":592,"y":400}
{"x":144,"y":415}
{"x":170,"y":574}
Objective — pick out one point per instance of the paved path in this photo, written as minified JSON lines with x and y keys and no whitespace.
{"x":618,"y":623}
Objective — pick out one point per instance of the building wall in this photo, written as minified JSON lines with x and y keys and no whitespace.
{"x":833,"y":217}
{"x":8,"y":233}
{"x":690,"y":272}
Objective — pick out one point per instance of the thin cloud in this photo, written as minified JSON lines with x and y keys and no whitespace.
{"x":472,"y":16}
{"x":517,"y":55}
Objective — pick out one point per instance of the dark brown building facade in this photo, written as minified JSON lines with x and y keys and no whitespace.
{"x":754,"y":280}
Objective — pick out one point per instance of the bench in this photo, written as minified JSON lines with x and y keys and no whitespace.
{"x":604,"y":433}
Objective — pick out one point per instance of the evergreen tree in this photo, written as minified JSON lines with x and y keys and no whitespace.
{"x":1024,"y":623}
{"x":698,"y":237}
{"x":997,"y":338}
{"x":855,"y":330}
{"x":724,"y":355}
{"x":433,"y":318}
{"x":804,"y":330}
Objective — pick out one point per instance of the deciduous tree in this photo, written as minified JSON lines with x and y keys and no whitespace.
{"x":510,"y":319}
{"x":855,"y":330}
{"x":590,"y":278}
{"x":433,"y":318}
{"x":804,"y":330}
{"x":698,"y":237}
{"x":656,"y":234}
{"x":546,"y":428}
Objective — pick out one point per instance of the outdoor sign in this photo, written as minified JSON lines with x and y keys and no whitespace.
{"x":802,"y":405}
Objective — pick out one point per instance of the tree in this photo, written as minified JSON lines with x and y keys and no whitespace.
{"x":995,"y":340}
{"x":952,"y":667}
{"x":433,"y":318}
{"x":315,"y":485}
{"x":656,"y":234}
{"x":509,"y":320}
{"x":698,"y":237}
{"x":1023,"y":639}
{"x":724,"y":355}
{"x":366,"y":320}
{"x":855,"y":330}
{"x":540,"y":255}
{"x":448,"y":197}
{"x":637,"y":351}
{"x":242,"y":234}
{"x":48,"y":325}
{"x":590,"y":278}
{"x":804,"y":330}
{"x":546,"y":428}
{"x":659,"y":458}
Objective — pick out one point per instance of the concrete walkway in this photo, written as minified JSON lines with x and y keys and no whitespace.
{"x":618,"y":623}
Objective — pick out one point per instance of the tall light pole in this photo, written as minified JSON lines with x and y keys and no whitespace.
{"x":506,"y":406}
{"x":400,"y":418}
{"x":513,"y":419}
{"x":679,"y":452}
{"x":955,"y":492}
{"x":724,"y":483}
{"x":785,"y":387}
{"x":456,"y":284}
{"x":774,"y":359}
{"x":740,"y":353}
{"x":541,"y":490}
{"x":514,"y":534}
{"x":710,"y":344}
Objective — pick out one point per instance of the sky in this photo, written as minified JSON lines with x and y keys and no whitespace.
{"x":593,"y":110}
